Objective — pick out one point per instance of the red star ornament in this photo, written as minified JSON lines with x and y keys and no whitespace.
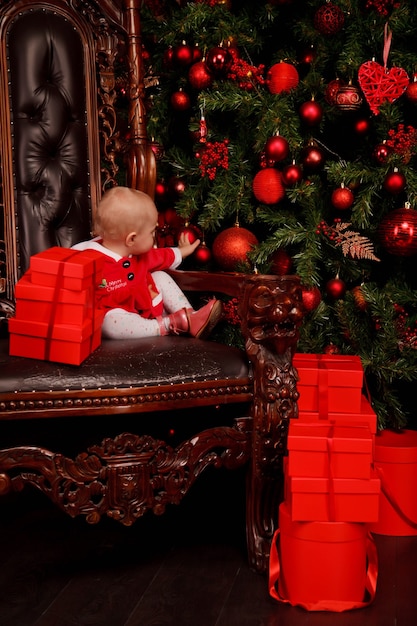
{"x":381,"y":85}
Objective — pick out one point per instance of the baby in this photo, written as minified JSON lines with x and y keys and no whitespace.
{"x":140,"y":299}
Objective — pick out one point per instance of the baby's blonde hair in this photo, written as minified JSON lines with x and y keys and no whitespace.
{"x":121,"y":211}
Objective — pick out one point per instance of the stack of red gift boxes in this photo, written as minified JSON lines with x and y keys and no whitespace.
{"x":322,"y":555}
{"x":56,"y":318}
{"x":329,"y":470}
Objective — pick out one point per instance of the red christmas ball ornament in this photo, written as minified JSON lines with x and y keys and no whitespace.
{"x":397,"y":231}
{"x":199,"y":76}
{"x":311,"y":113}
{"x":329,"y":19}
{"x":219,"y":60}
{"x":292,"y":174}
{"x":191,"y":232}
{"x":308,"y":56}
{"x":183,"y":54}
{"x":332,"y":90}
{"x":336,"y":288}
{"x":276,"y":148}
{"x":411,"y":91}
{"x":348,"y":98}
{"x":172,"y":218}
{"x":267,"y":186}
{"x":231,"y":247}
{"x":342,"y":198}
{"x":331,"y":349}
{"x":161,"y":192}
{"x":312,"y":158}
{"x":362,"y":126}
{"x":381,"y":152}
{"x":176,"y":187}
{"x":202,"y":254}
{"x":394,"y":182}
{"x":281,"y":262}
{"x":282,"y":77}
{"x":180,"y":101}
{"x":311,"y":297}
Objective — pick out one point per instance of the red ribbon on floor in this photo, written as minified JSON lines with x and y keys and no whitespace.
{"x":326,"y":605}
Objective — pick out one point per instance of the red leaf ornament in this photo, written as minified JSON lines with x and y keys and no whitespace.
{"x":381,"y":85}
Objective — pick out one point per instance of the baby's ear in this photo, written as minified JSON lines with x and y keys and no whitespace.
{"x":130,"y":239}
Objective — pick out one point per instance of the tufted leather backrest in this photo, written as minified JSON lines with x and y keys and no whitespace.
{"x":49,"y":144}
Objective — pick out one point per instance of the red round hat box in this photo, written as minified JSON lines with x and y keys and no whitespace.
{"x":323,"y":565}
{"x":395,"y":461}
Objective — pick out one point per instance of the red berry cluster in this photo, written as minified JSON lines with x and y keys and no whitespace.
{"x":215,"y":155}
{"x":230,"y":312}
{"x":329,"y":231}
{"x":406,"y":331}
{"x":245,"y":74}
{"x":403,"y":140}
{"x":384,"y":7}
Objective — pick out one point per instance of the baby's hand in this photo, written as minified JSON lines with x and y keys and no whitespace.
{"x":186,"y":248}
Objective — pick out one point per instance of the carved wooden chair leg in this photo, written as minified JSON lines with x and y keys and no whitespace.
{"x":270,"y":329}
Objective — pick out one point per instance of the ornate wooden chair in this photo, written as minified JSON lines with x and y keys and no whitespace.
{"x":134,"y":426}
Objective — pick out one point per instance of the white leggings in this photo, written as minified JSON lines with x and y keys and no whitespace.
{"x":120,"y":324}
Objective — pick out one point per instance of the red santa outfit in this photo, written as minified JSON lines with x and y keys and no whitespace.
{"x":126,"y":286}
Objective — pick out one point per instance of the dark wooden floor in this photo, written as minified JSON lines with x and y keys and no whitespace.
{"x":187,"y":568}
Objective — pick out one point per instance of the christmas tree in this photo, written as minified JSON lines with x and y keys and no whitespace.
{"x":286,"y":137}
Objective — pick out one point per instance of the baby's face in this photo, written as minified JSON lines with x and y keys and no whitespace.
{"x":145,"y":237}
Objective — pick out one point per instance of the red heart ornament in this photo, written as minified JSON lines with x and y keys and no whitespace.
{"x":380,"y":85}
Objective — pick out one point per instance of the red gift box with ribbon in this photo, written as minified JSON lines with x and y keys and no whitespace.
{"x":61,"y":343}
{"x":334,"y":499}
{"x":61,"y":323}
{"x":41,"y":304}
{"x":322,"y":450}
{"x":73,"y":269}
{"x":329,"y":383}
{"x":366,"y":416}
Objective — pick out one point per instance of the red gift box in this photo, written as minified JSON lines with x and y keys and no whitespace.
{"x":327,"y":451}
{"x":38,"y":303}
{"x":329,"y":382}
{"x":366,"y":416}
{"x":61,"y":343}
{"x":334,"y":499}
{"x":70,"y":269}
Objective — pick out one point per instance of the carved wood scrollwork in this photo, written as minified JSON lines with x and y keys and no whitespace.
{"x":125,"y":476}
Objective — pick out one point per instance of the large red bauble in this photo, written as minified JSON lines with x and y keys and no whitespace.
{"x":394,"y":182}
{"x":199,"y":75}
{"x":311,"y":113}
{"x":292,"y":175}
{"x":332,"y":90}
{"x":282,"y":77}
{"x":397,"y":232}
{"x":231,"y":247}
{"x":219,"y":60}
{"x":267,"y":186}
{"x":276,"y":148}
{"x":311,"y":298}
{"x":183,"y":54}
{"x":329,"y":19}
{"x":180,"y":101}
{"x":335,"y":288}
{"x":312,"y":158}
{"x":342,"y":198}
